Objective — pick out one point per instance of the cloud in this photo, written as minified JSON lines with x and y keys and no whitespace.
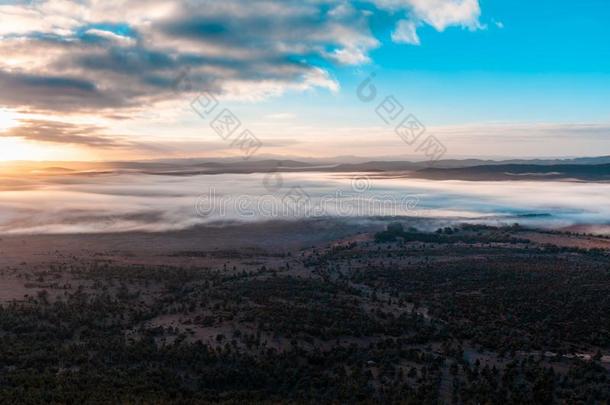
{"x":280,"y":116}
{"x":526,"y":139}
{"x":439,"y":14}
{"x":444,"y":13}
{"x":539,"y":132}
{"x":51,"y":92}
{"x":61,"y":132}
{"x":406,"y":33}
{"x":98,"y":56}
{"x":88,"y":57}
{"x":109,"y":36}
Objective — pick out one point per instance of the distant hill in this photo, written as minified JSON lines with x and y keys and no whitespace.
{"x":586,"y":169}
{"x":585,"y":172}
{"x":471,"y":169}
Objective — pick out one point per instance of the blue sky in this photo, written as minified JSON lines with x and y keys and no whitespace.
{"x":550,"y":61}
{"x":488,"y":78}
{"x":541,"y":36}
{"x":534,"y":63}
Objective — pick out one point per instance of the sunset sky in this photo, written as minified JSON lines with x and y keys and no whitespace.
{"x":114,"y":80}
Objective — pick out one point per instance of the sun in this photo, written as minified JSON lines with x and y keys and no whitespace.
{"x":8,"y":120}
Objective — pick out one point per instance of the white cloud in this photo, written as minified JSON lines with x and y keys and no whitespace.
{"x":109,"y":55}
{"x":250,"y":90}
{"x":405,"y":33}
{"x":280,"y":116}
{"x":439,"y":14}
{"x":111,"y":36}
{"x":444,"y":13}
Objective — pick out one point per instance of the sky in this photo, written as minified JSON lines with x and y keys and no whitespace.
{"x":127,"y":79}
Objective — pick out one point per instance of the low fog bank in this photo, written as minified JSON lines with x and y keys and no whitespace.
{"x":109,"y":202}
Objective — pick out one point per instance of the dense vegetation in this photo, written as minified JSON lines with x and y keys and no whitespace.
{"x":461,"y":315}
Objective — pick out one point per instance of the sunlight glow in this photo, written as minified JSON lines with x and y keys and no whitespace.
{"x":17,"y":149}
{"x":8,"y":119}
{"x":14,"y":148}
